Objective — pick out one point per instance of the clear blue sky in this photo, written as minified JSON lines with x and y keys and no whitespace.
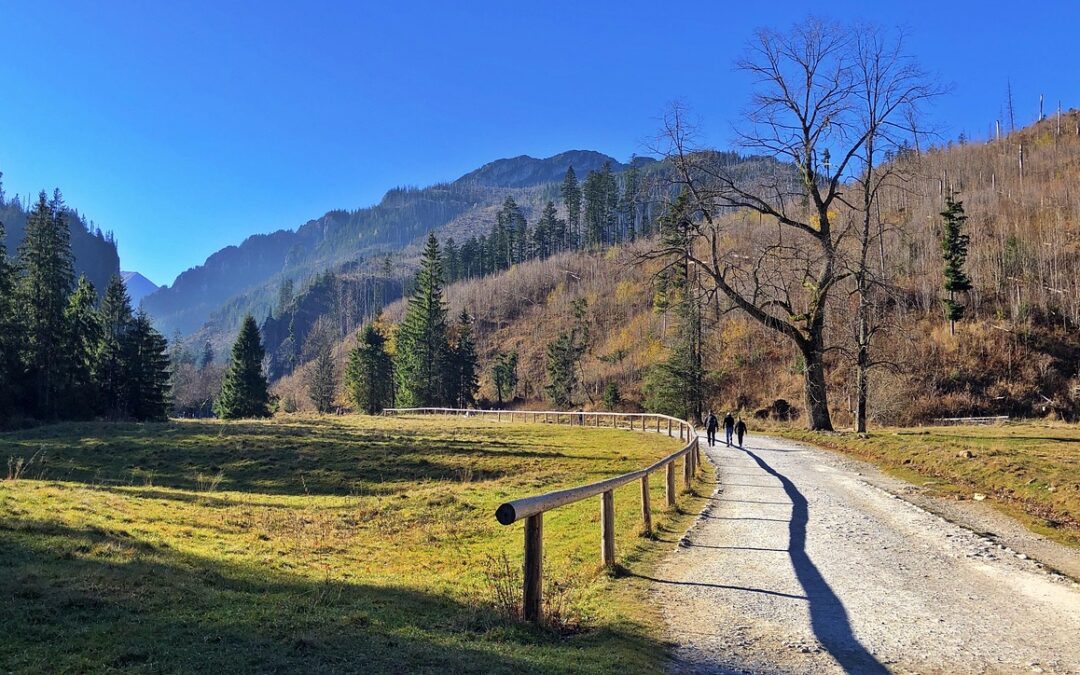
{"x":186,"y":126}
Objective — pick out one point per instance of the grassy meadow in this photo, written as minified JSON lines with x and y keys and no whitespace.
{"x":314,"y":544}
{"x":1030,"y":470}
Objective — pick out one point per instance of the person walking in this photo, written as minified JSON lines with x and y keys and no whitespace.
{"x":729,"y":427}
{"x":711,"y":425}
{"x":740,"y":430}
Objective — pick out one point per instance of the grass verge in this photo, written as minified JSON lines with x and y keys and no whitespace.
{"x":1029,"y":470}
{"x":316,"y":544}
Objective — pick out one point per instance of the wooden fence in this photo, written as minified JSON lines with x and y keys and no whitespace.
{"x":532,"y":509}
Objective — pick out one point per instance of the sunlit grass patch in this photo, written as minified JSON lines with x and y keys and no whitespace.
{"x":308,"y":543}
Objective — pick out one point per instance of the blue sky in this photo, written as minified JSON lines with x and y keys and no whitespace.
{"x":184,"y":127}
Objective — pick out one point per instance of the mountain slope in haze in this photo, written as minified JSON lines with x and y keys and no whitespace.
{"x":138,"y":286}
{"x":94,"y":252}
{"x":261,"y":262}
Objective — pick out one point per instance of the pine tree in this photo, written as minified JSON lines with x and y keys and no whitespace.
{"x":504,"y":376}
{"x":47,"y":279}
{"x":462,"y":381}
{"x":369,"y":376}
{"x":954,"y":247}
{"x":571,"y":194}
{"x":83,"y":332}
{"x":147,"y":371}
{"x":244,"y":391}
{"x":422,"y":346}
{"x":111,"y":375}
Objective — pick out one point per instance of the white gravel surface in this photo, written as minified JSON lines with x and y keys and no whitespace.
{"x":803,"y":563}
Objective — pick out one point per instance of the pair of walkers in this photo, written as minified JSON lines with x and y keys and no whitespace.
{"x":731,"y":427}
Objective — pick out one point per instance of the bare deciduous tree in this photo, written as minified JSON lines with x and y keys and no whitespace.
{"x":770,"y":241}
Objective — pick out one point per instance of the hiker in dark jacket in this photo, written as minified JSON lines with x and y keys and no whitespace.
{"x":711,"y":425}
{"x":740,"y":430}
{"x":729,"y":427}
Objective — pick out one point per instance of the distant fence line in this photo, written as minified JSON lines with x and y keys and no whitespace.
{"x":532,"y":509}
{"x":949,"y":421}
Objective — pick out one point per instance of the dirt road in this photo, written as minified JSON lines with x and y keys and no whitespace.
{"x":803,"y":563}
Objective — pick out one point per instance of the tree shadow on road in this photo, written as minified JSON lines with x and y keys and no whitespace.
{"x":828,"y":618}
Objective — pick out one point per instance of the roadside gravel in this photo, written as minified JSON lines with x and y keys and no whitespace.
{"x":809,"y":562}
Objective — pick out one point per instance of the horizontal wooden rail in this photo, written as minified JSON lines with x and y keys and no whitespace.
{"x":532,"y":509}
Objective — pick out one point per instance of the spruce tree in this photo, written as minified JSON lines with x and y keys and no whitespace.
{"x":954,"y":247}
{"x":422,"y":346}
{"x":370,"y":372}
{"x":462,"y":380}
{"x":244,"y":390}
{"x":111,"y":374}
{"x":504,"y":376}
{"x":571,"y":194}
{"x":562,"y":361}
{"x":207,"y":357}
{"x":10,"y":334}
{"x":83,"y":332}
{"x":147,"y":371}
{"x":47,"y":279}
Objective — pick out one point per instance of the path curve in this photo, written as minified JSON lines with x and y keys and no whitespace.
{"x":799,"y":564}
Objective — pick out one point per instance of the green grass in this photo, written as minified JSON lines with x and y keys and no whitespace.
{"x":315,"y":544}
{"x":1030,"y":470}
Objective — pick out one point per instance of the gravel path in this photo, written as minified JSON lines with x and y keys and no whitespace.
{"x":802,"y":564}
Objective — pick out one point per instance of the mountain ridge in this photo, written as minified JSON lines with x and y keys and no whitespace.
{"x":341,"y":236}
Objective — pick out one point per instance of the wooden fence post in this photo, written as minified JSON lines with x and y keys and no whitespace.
{"x":607,"y":529}
{"x":534,"y":567}
{"x":646,"y":514}
{"x":688,"y":470}
{"x":669,"y":486}
{"x":669,"y":428}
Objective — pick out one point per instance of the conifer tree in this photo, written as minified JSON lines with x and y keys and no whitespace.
{"x":422,"y":346}
{"x":563,"y":355}
{"x":147,"y":371}
{"x":676,"y":386}
{"x":571,"y":194}
{"x":244,"y":390}
{"x":954,"y":247}
{"x":462,"y":380}
{"x":504,"y":376}
{"x":10,"y":333}
{"x":207,"y":357}
{"x":370,"y":372}
{"x":112,"y":358}
{"x":47,"y":279}
{"x":83,"y":332}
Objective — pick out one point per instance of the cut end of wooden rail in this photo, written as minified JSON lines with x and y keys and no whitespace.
{"x":505,"y":514}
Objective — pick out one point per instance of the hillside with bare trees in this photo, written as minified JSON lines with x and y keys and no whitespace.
{"x":1016,"y":352}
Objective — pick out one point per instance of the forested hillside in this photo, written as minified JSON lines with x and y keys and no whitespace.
{"x":1015,"y":351}
{"x":94,"y":252}
{"x":245,"y":278}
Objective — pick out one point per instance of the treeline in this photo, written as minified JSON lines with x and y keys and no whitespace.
{"x":65,"y":353}
{"x":604,"y":209}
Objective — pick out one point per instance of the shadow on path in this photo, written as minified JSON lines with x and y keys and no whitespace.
{"x":703,"y":584}
{"x":828,"y":618}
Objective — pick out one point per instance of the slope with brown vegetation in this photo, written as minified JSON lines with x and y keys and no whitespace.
{"x":1018,"y":353}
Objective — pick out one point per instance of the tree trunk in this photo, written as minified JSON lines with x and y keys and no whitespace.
{"x":862,"y":364}
{"x":816,"y":395}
